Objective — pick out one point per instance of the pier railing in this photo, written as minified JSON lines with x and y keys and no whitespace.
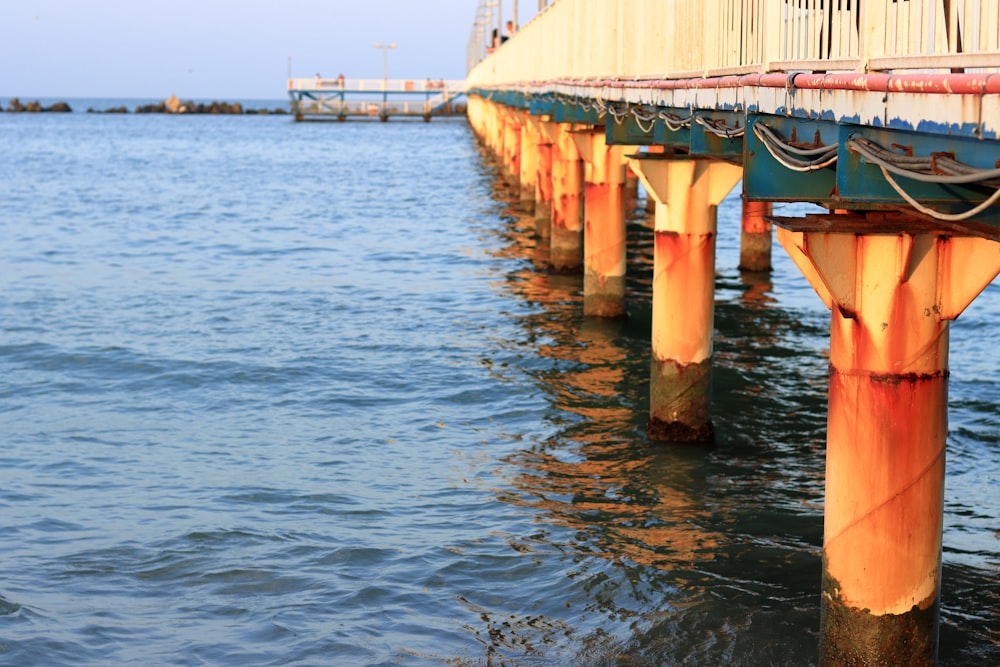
{"x":453,"y":87}
{"x":664,"y":39}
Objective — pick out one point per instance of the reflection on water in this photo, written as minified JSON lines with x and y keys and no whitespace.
{"x":679,"y":558}
{"x":332,"y":420}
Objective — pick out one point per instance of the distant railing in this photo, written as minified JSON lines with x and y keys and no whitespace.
{"x":451,"y":86}
{"x":662,"y":39}
{"x":365,"y":108}
{"x":317,"y":96}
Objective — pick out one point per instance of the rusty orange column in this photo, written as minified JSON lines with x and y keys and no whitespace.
{"x":512,"y":148}
{"x":474,"y":115}
{"x":529,"y":163}
{"x":493,"y":130}
{"x":566,"y":230}
{"x":687,"y":194}
{"x":543,"y":181}
{"x":603,"y":224}
{"x":498,"y":136}
{"x":891,"y":297}
{"x":755,"y":237}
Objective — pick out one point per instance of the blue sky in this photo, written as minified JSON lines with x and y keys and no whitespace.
{"x":223,"y":49}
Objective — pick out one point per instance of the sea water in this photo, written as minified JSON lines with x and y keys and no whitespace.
{"x":278,"y":393}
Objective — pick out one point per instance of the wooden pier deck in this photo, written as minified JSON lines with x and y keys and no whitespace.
{"x":339,"y":99}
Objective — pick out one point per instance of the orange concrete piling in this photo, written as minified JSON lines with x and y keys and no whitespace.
{"x":543,"y":185}
{"x":566,"y":240}
{"x":529,"y":164}
{"x":474,"y":113}
{"x":512,"y":148}
{"x":603,"y":224}
{"x":755,"y":237}
{"x":489,"y":135}
{"x":687,"y":193}
{"x":891,"y":296}
{"x":497,"y":136}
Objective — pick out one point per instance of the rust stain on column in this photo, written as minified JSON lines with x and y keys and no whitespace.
{"x":512,"y":150}
{"x":891,"y":296}
{"x":884,"y":507}
{"x":684,"y":290}
{"x":687,"y":194}
{"x":683,"y":319}
{"x":604,"y":246}
{"x":566,"y":251}
{"x":528,"y":164}
{"x":543,"y":191}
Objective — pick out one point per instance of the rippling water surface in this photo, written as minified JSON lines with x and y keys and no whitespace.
{"x":278,"y":393}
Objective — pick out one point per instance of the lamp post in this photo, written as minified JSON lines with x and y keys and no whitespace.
{"x":385,"y":76}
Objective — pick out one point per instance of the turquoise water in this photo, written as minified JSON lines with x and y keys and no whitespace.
{"x":278,"y":393}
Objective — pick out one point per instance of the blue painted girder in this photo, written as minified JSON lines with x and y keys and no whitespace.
{"x":856,"y":184}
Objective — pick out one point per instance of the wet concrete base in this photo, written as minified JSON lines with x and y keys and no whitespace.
{"x":661,"y":431}
{"x":566,"y":250}
{"x":527,"y":203}
{"x":852,"y":636}
{"x":679,"y":396}
{"x":603,"y":297}
{"x":755,"y":251}
{"x":543,"y":219}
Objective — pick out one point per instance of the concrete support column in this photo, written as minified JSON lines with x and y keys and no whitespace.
{"x":511,"y":159}
{"x":529,"y":163}
{"x":603,"y":224}
{"x":687,"y":194}
{"x":566,"y":244}
{"x":755,"y":237}
{"x":474,"y":114}
{"x":498,"y":136}
{"x":543,"y":181}
{"x":493,"y":135}
{"x":891,"y":296}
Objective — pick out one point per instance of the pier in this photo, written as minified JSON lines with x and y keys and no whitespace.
{"x":885,"y":113}
{"x":340,"y":98}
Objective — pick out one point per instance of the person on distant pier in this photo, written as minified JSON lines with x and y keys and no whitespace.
{"x":340,"y":80}
{"x":508,"y":32}
{"x":319,"y":80}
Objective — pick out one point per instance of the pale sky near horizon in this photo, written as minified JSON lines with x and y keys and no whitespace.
{"x":222,"y":49}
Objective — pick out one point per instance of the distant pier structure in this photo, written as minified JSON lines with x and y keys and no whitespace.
{"x":339,"y":99}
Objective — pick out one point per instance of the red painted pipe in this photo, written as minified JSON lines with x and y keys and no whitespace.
{"x":942,"y":84}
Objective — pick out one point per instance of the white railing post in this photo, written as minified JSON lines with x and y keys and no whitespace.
{"x":772,"y":28}
{"x":872,"y":34}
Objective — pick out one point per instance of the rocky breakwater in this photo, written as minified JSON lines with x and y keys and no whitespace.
{"x":15,"y":106}
{"x":173,"y":105}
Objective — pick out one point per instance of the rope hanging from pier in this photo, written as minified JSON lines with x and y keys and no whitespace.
{"x":784,"y":152}
{"x":719,"y":128}
{"x":618,"y":114}
{"x":675,"y":123}
{"x":940,"y":169}
{"x":642,"y":116}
